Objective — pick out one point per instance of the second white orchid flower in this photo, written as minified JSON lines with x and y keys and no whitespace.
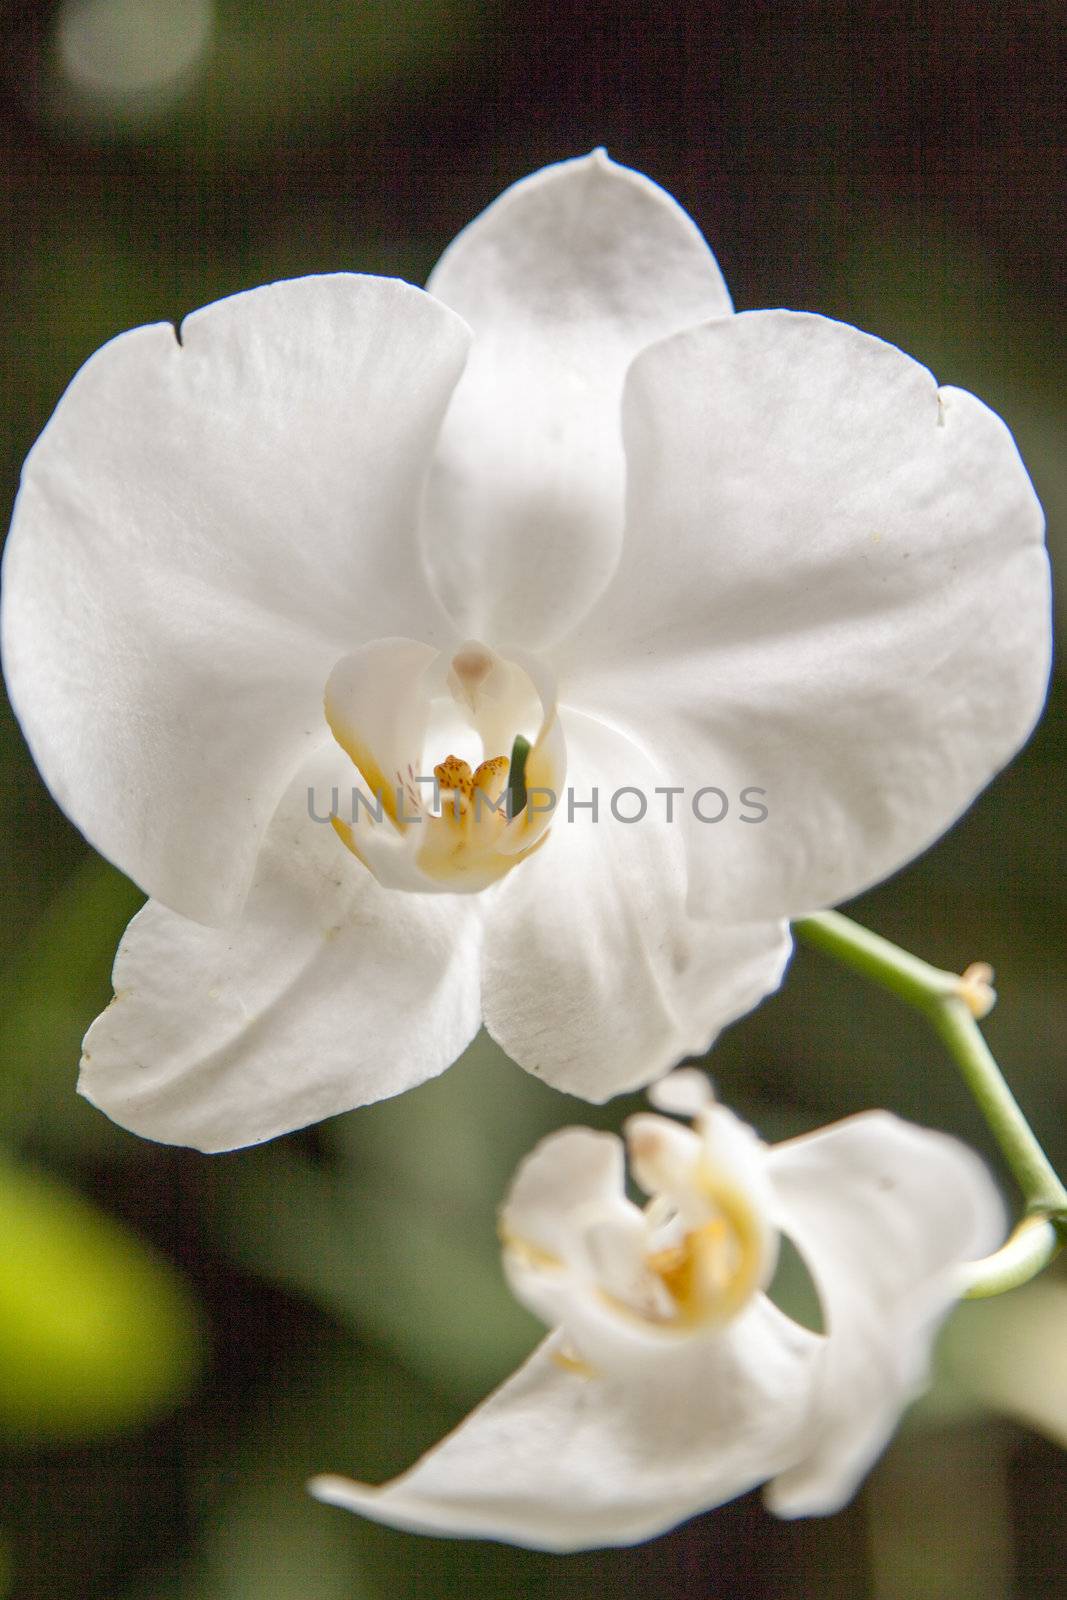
{"x":342,"y":533}
{"x":670,"y":1382}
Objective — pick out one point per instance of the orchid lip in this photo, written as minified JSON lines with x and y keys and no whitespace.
{"x":696,"y":1254}
{"x":400,"y":710}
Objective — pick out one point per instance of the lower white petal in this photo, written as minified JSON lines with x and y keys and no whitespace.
{"x":330,"y":992}
{"x":596,"y":979}
{"x":560,"y":1460}
{"x":883,"y":1213}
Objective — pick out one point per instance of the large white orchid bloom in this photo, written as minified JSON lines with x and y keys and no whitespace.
{"x":304,"y":547}
{"x":671,"y":1383}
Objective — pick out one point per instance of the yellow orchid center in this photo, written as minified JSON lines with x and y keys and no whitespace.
{"x":450,"y":822}
{"x":707,"y":1239}
{"x":472,"y":815}
{"x":716,"y":1266}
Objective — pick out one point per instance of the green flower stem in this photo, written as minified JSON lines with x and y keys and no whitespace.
{"x":1035,"y":1174}
{"x":1027,"y":1252}
{"x":946,"y":1000}
{"x":904,"y":975}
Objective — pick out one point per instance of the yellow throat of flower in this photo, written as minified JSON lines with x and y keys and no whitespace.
{"x":716,"y":1266}
{"x":381,"y":704}
{"x":472,"y":816}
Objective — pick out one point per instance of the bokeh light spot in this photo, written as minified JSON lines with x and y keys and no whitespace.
{"x":117,"y":51}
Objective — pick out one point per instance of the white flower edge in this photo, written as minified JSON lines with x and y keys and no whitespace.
{"x":618,"y":1428}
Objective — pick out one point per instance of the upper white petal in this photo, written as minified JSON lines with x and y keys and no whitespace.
{"x":328,"y":992}
{"x":833,"y":587}
{"x":883,"y":1213}
{"x":596,"y":978}
{"x":563,"y":279}
{"x":562,"y":1461}
{"x":202,"y":529}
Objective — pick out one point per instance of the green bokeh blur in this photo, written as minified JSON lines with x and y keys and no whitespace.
{"x":183,"y":1340}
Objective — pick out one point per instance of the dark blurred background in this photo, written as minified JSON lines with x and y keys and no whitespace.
{"x":184,"y":1339}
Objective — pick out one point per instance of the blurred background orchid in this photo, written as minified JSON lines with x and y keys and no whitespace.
{"x":184,"y":1339}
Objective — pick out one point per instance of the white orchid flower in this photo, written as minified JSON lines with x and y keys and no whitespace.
{"x":757,"y":571}
{"x":670,"y":1382}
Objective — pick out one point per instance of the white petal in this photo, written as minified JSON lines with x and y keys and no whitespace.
{"x":884,"y":1213}
{"x":328,"y":993}
{"x":569,"y":1234}
{"x":563,"y":280}
{"x":686,"y":1092}
{"x":595,"y":977}
{"x":665,"y":1159}
{"x":561,"y":1461}
{"x":377,"y":702}
{"x":833,"y":588}
{"x":574,"y":1174}
{"x":202,"y":529}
